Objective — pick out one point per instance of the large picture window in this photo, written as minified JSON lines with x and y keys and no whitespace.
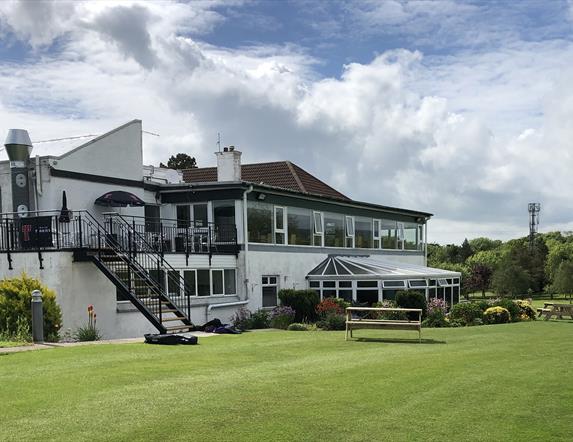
{"x":388,"y":234}
{"x":200,"y":215}
{"x":205,"y":282}
{"x":410,"y":236}
{"x":183,"y":216}
{"x":260,"y":222}
{"x":299,"y":226}
{"x":224,"y":213}
{"x":363,"y":233}
{"x":333,"y":230}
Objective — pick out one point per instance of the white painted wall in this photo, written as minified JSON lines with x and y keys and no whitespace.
{"x":78,"y":284}
{"x":292,"y":268}
{"x":117,"y":153}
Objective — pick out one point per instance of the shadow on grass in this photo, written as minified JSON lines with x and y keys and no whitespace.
{"x":399,"y":341}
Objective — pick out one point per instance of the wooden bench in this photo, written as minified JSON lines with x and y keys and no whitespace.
{"x":356,"y":323}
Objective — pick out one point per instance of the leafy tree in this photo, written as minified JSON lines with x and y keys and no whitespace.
{"x":484,"y":244}
{"x":558,"y":253}
{"x":180,"y":161}
{"x":532,"y":260}
{"x":465,"y":251}
{"x":510,"y":279}
{"x":563,"y":282}
{"x":490,"y":258}
{"x":479,"y":278}
{"x":453,"y":254}
{"x":436,"y":255}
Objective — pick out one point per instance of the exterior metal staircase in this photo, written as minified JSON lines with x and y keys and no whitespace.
{"x":139,"y":272}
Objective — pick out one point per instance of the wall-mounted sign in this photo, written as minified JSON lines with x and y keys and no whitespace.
{"x":35,"y":232}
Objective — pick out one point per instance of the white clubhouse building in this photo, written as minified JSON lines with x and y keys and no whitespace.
{"x":159,"y":249}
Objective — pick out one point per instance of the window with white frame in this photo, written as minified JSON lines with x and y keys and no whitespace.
{"x":202,"y":282}
{"x":318,"y":222}
{"x":401,"y":235}
{"x":270,"y":289}
{"x":280,"y":215}
{"x":350,"y":231}
{"x":376,"y":229}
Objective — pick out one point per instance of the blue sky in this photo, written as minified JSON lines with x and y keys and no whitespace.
{"x":444,"y":106}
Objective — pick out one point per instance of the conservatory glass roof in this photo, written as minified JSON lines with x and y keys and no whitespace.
{"x":373,"y":267}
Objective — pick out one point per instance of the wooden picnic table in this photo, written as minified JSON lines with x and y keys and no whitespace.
{"x":551,"y":309}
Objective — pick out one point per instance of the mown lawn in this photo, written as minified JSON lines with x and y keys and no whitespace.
{"x":503,"y":382}
{"x":5,"y":344}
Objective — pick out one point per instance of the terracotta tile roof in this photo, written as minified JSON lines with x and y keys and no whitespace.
{"x":282,"y":174}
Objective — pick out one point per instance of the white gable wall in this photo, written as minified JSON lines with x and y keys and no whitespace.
{"x":116,"y":154}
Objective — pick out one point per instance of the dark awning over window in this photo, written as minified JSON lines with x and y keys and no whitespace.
{"x":119,"y":198}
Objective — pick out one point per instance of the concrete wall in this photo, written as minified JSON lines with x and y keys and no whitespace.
{"x":78,"y":284}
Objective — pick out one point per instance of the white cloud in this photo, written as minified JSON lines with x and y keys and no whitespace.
{"x":471,"y":138}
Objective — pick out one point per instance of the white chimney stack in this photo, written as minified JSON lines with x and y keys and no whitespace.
{"x":229,"y":164}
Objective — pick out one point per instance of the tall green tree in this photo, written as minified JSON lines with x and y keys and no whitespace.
{"x":181,"y":161}
{"x":479,"y":278}
{"x":465,"y":251}
{"x":510,"y":279}
{"x":484,"y":244}
{"x":563,"y":282}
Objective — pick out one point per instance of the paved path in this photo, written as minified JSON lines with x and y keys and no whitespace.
{"x":48,"y":345}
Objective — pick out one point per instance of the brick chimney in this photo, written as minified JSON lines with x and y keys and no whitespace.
{"x":229,"y":164}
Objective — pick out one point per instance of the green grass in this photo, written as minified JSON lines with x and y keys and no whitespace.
{"x":5,"y":344}
{"x":503,"y":382}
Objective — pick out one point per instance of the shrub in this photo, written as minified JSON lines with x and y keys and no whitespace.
{"x":496,"y":315}
{"x":412,"y":299}
{"x":526,"y":311}
{"x":297,"y":326}
{"x":332,"y":322}
{"x":436,"y":316}
{"x":303,"y":302}
{"x":282,"y":317}
{"x":22,"y":332}
{"x":15,"y":305}
{"x":260,"y":319}
{"x":331,"y":305}
{"x":436,"y":305}
{"x":465,"y":313}
{"x":510,"y":306}
{"x":241,"y":319}
{"x":89,"y":332}
{"x":387,"y":303}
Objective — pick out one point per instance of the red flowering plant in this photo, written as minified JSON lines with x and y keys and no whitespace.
{"x":89,"y":332}
{"x":331,"y":306}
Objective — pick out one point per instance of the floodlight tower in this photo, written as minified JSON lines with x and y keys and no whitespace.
{"x":534,"y":209}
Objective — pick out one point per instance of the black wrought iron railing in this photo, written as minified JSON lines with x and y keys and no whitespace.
{"x":135,"y":267}
{"x":183,"y":236}
{"x":122,"y":233}
{"x":49,"y":230}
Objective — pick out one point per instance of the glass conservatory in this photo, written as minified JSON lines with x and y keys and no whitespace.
{"x":369,"y":279}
